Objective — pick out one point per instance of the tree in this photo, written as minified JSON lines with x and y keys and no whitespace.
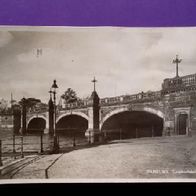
{"x":29,"y":102}
{"x":3,"y":105}
{"x":69,"y":96}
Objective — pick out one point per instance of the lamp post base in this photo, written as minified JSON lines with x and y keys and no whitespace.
{"x":55,"y":145}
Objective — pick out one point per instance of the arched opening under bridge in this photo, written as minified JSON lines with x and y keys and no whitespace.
{"x":72,"y":126}
{"x":36,"y":125}
{"x":132,"y":124}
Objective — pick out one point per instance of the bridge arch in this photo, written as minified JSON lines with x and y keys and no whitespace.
{"x":159,"y":113}
{"x":133,"y":123}
{"x":73,"y":113}
{"x":37,"y":123}
{"x":37,"y":116}
{"x":72,"y":123}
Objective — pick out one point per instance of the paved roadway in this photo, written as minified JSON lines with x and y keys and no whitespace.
{"x":166,"y":157}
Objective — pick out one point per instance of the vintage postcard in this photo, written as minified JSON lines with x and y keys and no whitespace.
{"x":97,"y":104}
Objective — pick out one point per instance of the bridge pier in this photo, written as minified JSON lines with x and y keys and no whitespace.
{"x":93,"y":135}
{"x":93,"y":132}
{"x":168,"y":127}
{"x":46,"y":131}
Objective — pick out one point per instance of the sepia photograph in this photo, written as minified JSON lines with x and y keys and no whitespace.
{"x":97,"y":104}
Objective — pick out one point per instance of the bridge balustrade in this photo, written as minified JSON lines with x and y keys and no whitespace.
{"x":80,"y":104}
{"x":136,"y":98}
{"x":141,"y":97}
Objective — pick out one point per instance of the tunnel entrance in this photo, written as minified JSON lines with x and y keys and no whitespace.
{"x":36,"y":126}
{"x":132,"y":124}
{"x":72,"y":125}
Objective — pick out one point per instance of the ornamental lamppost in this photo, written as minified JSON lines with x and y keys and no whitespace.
{"x":24,"y":113}
{"x":13,"y":132}
{"x":53,"y":91}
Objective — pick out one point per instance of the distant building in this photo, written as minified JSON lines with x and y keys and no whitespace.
{"x":6,"y":121}
{"x":179,"y":84}
{"x":6,"y":114}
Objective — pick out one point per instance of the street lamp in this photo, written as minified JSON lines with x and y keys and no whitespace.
{"x":53,"y":91}
{"x":23,"y":130}
{"x":13,"y":132}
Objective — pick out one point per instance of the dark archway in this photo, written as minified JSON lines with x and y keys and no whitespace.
{"x":182,"y":123}
{"x":36,"y":125}
{"x":72,"y":125}
{"x":133,"y":124}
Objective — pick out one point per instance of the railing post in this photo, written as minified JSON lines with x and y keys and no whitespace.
{"x":58,"y":140}
{"x":152,"y":131}
{"x":14,"y":144}
{"x":104,"y":132}
{"x":41,"y":143}
{"x":1,"y":163}
{"x":22,"y":154}
{"x":89,"y":138}
{"x":120,"y":134}
{"x":74,"y":140}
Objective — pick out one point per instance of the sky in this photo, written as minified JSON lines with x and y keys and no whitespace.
{"x":123,"y":60}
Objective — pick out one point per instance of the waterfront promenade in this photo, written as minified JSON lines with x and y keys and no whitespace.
{"x":164,"y":157}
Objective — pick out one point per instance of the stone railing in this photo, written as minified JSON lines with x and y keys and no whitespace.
{"x":124,"y":99}
{"x":74,"y":105}
{"x":140,"y":97}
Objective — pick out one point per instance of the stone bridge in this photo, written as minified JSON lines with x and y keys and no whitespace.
{"x":106,"y":111}
{"x":168,"y":111}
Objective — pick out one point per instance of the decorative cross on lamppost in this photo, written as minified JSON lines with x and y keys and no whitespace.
{"x":177,"y":61}
{"x":94,"y":81}
{"x":53,"y":91}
